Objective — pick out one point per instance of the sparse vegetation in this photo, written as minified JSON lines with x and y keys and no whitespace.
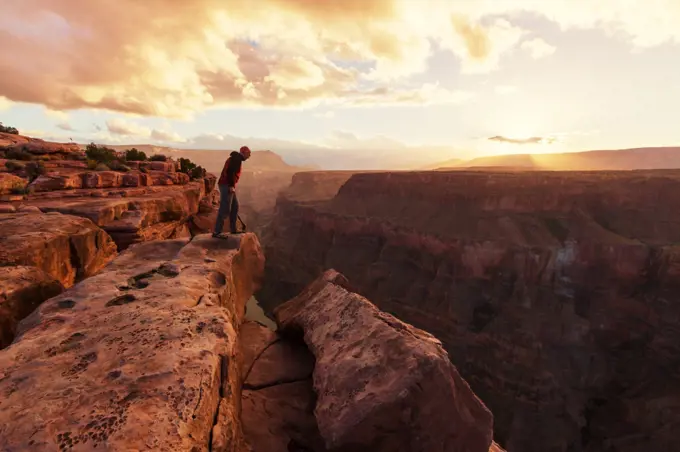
{"x":158,"y":158}
{"x":134,"y":155}
{"x":102,"y":167}
{"x":191,"y":169}
{"x":34,"y":170}
{"x":19,"y":154}
{"x":7,"y":129}
{"x":100,"y":154}
{"x":198,"y":173}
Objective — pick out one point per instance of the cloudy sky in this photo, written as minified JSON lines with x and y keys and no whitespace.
{"x":431,"y":78}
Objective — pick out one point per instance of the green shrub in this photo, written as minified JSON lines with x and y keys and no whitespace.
{"x":35,"y":169}
{"x":133,"y":155}
{"x":14,"y":167}
{"x":19,"y":154}
{"x":92,"y":164}
{"x":100,"y":154}
{"x":158,"y":158}
{"x":186,"y":165}
{"x":7,"y":129}
{"x":102,"y":167}
{"x":197,"y":173}
{"x":117,"y":165}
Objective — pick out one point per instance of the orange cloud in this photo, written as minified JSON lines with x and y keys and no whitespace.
{"x":172,"y":58}
{"x":477,"y":42}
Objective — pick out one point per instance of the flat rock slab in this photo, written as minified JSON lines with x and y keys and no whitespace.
{"x":382,"y":385}
{"x":22,"y":289}
{"x":139,"y":357}
{"x":65,"y":247}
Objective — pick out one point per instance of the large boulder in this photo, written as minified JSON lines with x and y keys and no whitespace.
{"x":22,"y":289}
{"x":65,"y":247}
{"x":382,"y":385}
{"x":139,"y":357}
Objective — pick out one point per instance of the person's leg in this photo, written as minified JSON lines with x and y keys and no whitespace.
{"x":233,"y":213}
{"x":223,"y":211}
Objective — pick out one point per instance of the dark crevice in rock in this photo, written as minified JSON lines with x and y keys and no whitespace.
{"x":282,"y":381}
{"x":74,"y":260}
{"x":200,"y":397}
{"x":121,"y":300}
{"x":224,"y":375}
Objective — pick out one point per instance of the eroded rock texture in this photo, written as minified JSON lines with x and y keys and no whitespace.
{"x":382,"y":385}
{"x":67,"y":248}
{"x":22,"y":289}
{"x":142,"y":356}
{"x":554,"y":293}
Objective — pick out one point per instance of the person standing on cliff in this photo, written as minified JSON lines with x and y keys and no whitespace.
{"x":227,"y":185}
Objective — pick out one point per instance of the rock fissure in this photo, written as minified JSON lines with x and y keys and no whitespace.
{"x":282,"y":381}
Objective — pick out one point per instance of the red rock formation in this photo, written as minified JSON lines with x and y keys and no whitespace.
{"x":10,"y":183}
{"x":382,"y":385}
{"x":36,"y":146}
{"x":131,"y":215}
{"x":142,"y":356}
{"x":278,"y":399}
{"x":552,"y":292}
{"x":22,"y":289}
{"x":66,"y":247}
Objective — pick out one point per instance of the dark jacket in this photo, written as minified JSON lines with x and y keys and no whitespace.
{"x":232,"y":170}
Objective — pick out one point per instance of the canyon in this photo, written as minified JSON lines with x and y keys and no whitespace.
{"x":124,"y":325}
{"x":554,"y":293}
{"x":432,"y":310}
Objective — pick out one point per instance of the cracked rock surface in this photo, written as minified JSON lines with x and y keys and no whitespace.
{"x":142,"y":356}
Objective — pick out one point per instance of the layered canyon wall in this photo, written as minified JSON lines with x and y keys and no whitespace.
{"x":554,"y":293}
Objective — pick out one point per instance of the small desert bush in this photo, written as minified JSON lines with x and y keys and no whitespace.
{"x":133,"y":155}
{"x":102,"y":167}
{"x":198,"y":173}
{"x":100,"y":154}
{"x":34,"y":170}
{"x":191,"y":169}
{"x":7,"y":129}
{"x":158,"y":158}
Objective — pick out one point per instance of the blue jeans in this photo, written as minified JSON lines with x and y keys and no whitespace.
{"x":228,"y":207}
